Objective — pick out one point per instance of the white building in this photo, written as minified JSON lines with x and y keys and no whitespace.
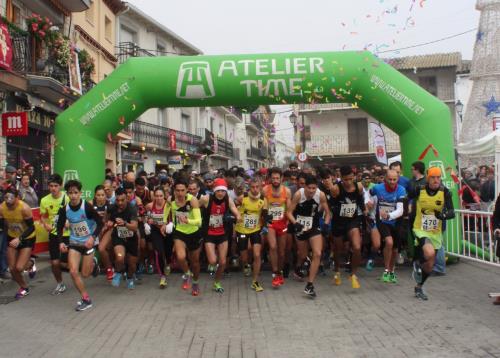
{"x":161,"y":137}
{"x":283,"y":154}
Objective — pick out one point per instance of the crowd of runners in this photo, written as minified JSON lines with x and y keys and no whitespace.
{"x":294,"y":222}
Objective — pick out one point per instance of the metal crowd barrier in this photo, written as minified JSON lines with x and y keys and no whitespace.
{"x":470,"y":236}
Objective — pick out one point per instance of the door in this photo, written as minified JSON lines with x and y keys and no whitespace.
{"x":357,"y":130}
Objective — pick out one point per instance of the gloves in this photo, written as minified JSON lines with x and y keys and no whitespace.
{"x":169,"y":228}
{"x":268,"y":218}
{"x":229,"y":219}
{"x":298,"y":227}
{"x":441,"y":215}
{"x":325,"y":229}
{"x":147,"y":229}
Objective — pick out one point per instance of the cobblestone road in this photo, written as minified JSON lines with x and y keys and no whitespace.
{"x":377,"y":320}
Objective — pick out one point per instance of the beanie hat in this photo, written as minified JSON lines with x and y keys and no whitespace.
{"x":220,"y":184}
{"x":434,"y":172}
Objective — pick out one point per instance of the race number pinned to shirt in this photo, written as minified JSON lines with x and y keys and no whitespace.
{"x":250,"y":221}
{"x":277,"y":212}
{"x":80,"y":229}
{"x":157,"y":218}
{"x":16,"y":227}
{"x":123,"y":232}
{"x":305,"y":221}
{"x":348,"y":210}
{"x":180,"y":215}
{"x":429,"y":222}
{"x":215,"y":221}
{"x":385,"y":208}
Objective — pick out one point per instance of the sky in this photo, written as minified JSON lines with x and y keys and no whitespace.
{"x":270,"y":26}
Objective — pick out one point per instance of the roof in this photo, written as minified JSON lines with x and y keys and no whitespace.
{"x":437,"y":60}
{"x":164,"y":29}
{"x":115,"y":5}
{"x":465,"y":66}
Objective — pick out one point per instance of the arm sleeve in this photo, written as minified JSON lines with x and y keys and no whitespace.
{"x":398,"y":212}
{"x":448,"y":211}
{"x":29,"y":230}
{"x":61,"y":221}
{"x":94,"y":215}
{"x":197,"y":217}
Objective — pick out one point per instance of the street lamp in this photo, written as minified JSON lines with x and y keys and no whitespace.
{"x":459,"y":107}
{"x":293,"y":118}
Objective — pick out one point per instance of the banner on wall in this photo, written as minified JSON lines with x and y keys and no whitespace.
{"x":14,"y":124}
{"x":379,"y":142}
{"x":5,"y":48}
{"x":172,"y":139}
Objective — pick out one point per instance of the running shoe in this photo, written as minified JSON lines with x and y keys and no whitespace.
{"x":355,"y":282}
{"x":417,"y":272}
{"x":385,"y":277}
{"x":247,"y":270}
{"x":163,"y":282}
{"x":276,"y":281}
{"x":117,"y":278}
{"x":186,"y":281}
{"x":195,"y":291}
{"x":393,"y":278}
{"x":257,"y":287}
{"x":218,"y":287}
{"x":369,"y":265}
{"x":109,"y":273}
{"x":130,"y":284}
{"x":96,"y":270}
{"x":309,"y":290}
{"x":420,"y":294}
{"x":337,"y":281}
{"x":298,"y":275}
{"x":83,"y":305}
{"x":167,"y":270}
{"x":60,"y":288}
{"x":151,"y":269}
{"x":32,"y":270}
{"x":22,"y":292}
{"x":211,"y":269}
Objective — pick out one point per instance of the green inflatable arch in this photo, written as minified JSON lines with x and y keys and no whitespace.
{"x":360,"y":78}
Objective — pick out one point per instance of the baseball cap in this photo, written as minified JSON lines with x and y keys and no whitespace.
{"x":10,"y":169}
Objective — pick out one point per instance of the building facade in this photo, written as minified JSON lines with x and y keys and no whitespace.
{"x":338,"y":133}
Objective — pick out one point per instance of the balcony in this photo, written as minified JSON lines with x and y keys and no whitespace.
{"x":255,"y":153}
{"x":217,"y":145}
{"x":316,"y":107}
{"x":130,"y":49}
{"x":321,"y":145}
{"x":151,"y":135}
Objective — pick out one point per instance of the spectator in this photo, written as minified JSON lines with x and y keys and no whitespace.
{"x":4,"y":275}
{"x":30,"y":170}
{"x":26,"y":192}
{"x":488,"y":188}
{"x":10,"y":177}
{"x":418,"y":179}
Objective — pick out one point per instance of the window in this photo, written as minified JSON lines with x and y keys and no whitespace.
{"x":16,"y":16}
{"x":162,"y":117}
{"x":185,"y":123}
{"x":357,"y":131}
{"x":108,"y":28}
{"x":428,"y":83}
{"x":212,"y":120}
{"x":221,"y":130}
{"x":160,"y":50}
{"x":89,"y":14}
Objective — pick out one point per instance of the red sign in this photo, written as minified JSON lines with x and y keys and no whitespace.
{"x":173,"y":143}
{"x":5,"y":48}
{"x":15,"y":124}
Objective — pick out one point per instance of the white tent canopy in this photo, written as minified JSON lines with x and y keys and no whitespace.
{"x":488,"y":145}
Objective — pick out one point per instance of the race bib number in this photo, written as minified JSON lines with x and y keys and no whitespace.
{"x":277,"y":212}
{"x":429,"y":223}
{"x":215,"y":221}
{"x":250,"y":221}
{"x":123,"y":232}
{"x":16,"y":227}
{"x":306,"y":221}
{"x":80,"y":229}
{"x":157,"y":218}
{"x":385,"y":209}
{"x":348,"y":210}
{"x":180,"y":215}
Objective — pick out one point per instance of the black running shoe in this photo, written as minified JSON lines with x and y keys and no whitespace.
{"x":309,"y":290}
{"x":419,"y":293}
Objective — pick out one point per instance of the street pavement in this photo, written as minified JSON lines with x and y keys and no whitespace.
{"x":378,"y":320}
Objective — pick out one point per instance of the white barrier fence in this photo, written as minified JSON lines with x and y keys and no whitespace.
{"x":470,"y":236}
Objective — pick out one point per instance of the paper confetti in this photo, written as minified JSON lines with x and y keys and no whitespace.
{"x":80,"y":147}
{"x":121,"y":120}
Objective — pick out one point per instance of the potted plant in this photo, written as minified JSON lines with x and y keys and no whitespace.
{"x":87,"y":67}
